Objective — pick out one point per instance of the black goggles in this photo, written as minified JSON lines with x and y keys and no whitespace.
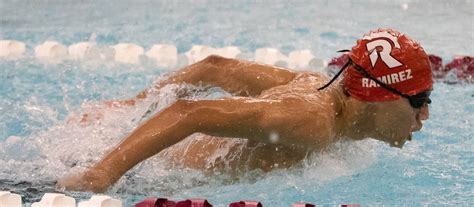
{"x":416,"y":101}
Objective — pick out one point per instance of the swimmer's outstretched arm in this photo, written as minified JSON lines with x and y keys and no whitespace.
{"x":232,"y":117}
{"x":238,"y":77}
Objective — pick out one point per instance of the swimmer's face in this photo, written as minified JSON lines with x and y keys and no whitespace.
{"x":395,"y":121}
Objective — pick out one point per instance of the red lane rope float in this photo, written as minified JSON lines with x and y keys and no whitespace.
{"x":194,"y":203}
{"x":437,"y":67}
{"x":156,"y":202}
{"x":163,"y":202}
{"x":246,"y":204}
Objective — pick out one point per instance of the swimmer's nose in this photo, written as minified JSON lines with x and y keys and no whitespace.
{"x":424,"y":113}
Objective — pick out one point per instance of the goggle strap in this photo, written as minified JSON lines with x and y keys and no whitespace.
{"x":336,"y":76}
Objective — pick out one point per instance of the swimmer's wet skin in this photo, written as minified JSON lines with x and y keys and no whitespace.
{"x":273,"y":101}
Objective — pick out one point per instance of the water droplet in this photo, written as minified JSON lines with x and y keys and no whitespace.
{"x":404,"y":6}
{"x":274,"y":137}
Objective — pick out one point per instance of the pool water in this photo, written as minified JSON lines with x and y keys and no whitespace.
{"x":38,"y":145}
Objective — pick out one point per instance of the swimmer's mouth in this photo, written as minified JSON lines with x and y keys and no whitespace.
{"x":397,"y":144}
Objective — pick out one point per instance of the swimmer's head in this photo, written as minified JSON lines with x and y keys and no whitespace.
{"x":394,"y":59}
{"x":390,"y":73}
{"x":402,"y":66}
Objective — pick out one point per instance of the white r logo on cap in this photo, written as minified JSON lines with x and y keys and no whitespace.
{"x":390,"y":61}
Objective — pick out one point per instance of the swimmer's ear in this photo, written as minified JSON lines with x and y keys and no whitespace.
{"x":345,"y":92}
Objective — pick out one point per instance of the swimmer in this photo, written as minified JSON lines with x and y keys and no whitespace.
{"x":277,"y":116}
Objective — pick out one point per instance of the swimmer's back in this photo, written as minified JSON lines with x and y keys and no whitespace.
{"x":304,"y":86}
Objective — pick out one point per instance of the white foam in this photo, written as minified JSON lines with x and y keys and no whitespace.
{"x":51,"y":52}
{"x":342,"y":159}
{"x":11,"y":49}
{"x":8,"y":199}
{"x":163,"y":55}
{"x":55,"y":200}
{"x":101,"y":201}
{"x":128,"y":53}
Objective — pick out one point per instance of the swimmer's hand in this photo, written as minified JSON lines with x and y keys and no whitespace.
{"x":96,"y":181}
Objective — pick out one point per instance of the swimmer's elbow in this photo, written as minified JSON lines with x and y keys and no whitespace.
{"x":214,"y":59}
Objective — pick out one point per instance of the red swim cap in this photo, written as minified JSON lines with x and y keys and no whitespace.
{"x":394,"y":59}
